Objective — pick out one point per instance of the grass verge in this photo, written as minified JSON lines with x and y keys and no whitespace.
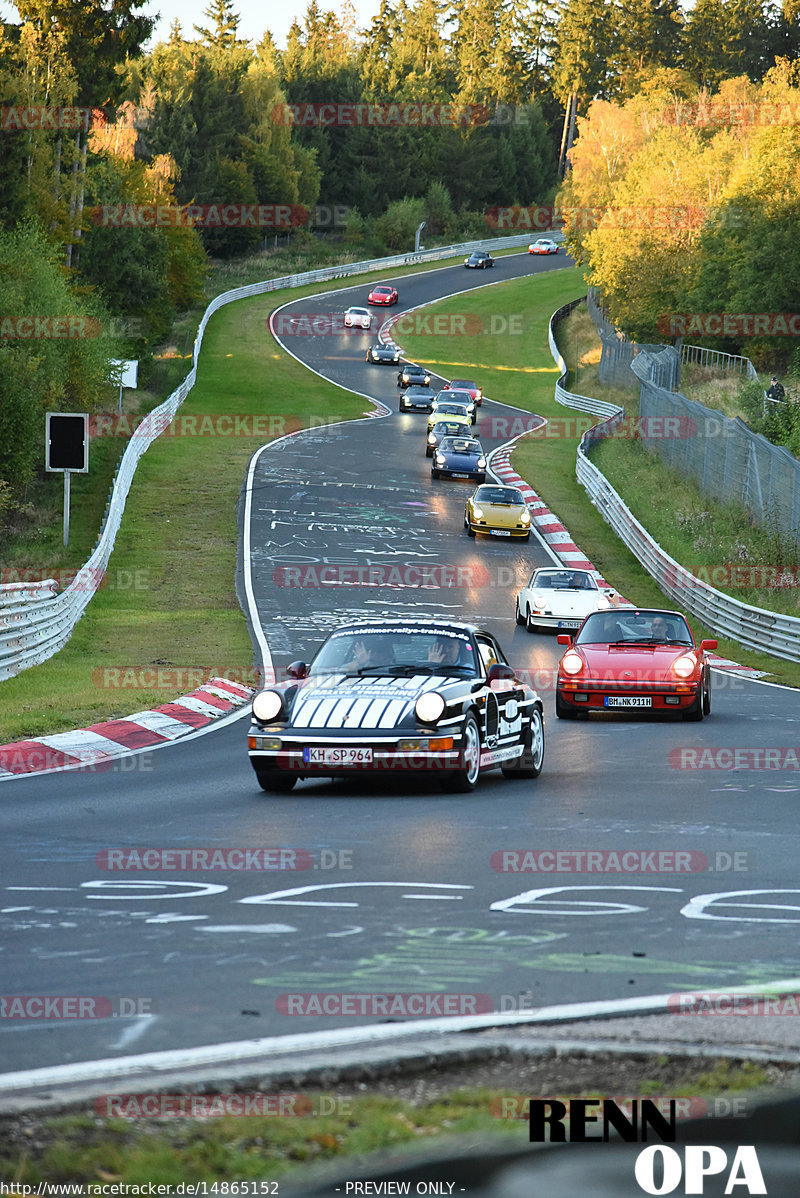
{"x":339,"y":1129}
{"x":518,"y":369}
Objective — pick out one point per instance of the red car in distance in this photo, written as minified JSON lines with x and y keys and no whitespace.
{"x":632,"y":658}
{"x":382,"y":295}
{"x":475,"y":393}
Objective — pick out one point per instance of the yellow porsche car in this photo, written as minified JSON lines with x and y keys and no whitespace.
{"x":443,"y":408}
{"x":499,"y":511}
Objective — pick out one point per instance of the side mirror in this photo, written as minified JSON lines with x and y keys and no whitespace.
{"x":705,"y":645}
{"x":499,"y":673}
{"x":298,"y":669}
{"x":564,"y":638}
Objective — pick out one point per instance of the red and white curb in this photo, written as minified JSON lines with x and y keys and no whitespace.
{"x":548,"y":526}
{"x":97,"y":746}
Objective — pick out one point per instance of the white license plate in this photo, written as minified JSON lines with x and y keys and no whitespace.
{"x":628,"y":701}
{"x":570,"y":624}
{"x":460,"y":475}
{"x":349,"y":756}
{"x":499,"y":532}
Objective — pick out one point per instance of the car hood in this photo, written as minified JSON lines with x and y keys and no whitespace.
{"x":462,"y":461}
{"x":376,"y":701}
{"x":502,"y":513}
{"x":642,"y":661}
{"x":574,"y":603}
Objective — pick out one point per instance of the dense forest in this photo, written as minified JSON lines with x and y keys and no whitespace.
{"x":123,"y":166}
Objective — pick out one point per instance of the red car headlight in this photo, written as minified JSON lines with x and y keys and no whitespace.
{"x":684,"y":667}
{"x":572,"y":663}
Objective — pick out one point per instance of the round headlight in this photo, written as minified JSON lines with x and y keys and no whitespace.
{"x":481,"y":463}
{"x":572,"y":663}
{"x":440,"y":459}
{"x":684,"y":667}
{"x":477,"y":512}
{"x":267,"y":705}
{"x":540,"y":600}
{"x":431,"y":438}
{"x":429,"y":707}
{"x":525,"y":517}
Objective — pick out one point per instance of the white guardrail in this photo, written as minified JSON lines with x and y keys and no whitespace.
{"x":34,"y":621}
{"x":753,"y":627}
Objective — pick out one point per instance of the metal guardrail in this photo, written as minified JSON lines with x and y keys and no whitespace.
{"x":717,"y":360}
{"x":33,"y":625}
{"x":753,"y":627}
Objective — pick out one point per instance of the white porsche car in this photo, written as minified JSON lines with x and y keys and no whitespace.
{"x":560,"y":597}
{"x":358,"y":318}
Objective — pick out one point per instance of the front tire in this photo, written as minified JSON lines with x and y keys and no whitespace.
{"x":529,"y":763}
{"x":518,"y":616}
{"x":530,"y":623}
{"x":707,"y":699}
{"x":465,"y":779}
{"x":275,"y":781}
{"x":470,"y":531}
{"x":695,"y":713}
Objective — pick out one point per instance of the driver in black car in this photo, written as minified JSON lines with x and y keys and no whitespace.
{"x":445,"y":651}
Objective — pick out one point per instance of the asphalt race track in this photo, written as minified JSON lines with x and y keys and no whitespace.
{"x":400,"y":894}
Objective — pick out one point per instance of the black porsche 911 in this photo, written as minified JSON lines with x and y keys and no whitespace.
{"x":383,"y":355}
{"x":416,"y":399}
{"x":413,"y":375}
{"x":426,"y":696}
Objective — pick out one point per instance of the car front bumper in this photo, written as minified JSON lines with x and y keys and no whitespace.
{"x":411,"y":751}
{"x":607,"y":695}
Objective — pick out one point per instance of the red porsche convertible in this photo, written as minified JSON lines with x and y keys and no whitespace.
{"x":633,"y":658}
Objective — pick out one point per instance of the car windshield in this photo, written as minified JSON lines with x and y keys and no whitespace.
{"x":417,"y":391}
{"x":453,"y":396}
{"x":447,"y":428}
{"x":453,"y":409}
{"x":498,"y":495}
{"x":400,"y":651}
{"x":563,"y":580}
{"x":358,"y":311}
{"x":633,"y":627}
{"x":460,"y":445}
{"x":462,"y":385}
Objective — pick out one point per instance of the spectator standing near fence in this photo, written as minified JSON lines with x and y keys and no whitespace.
{"x":776,"y":390}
